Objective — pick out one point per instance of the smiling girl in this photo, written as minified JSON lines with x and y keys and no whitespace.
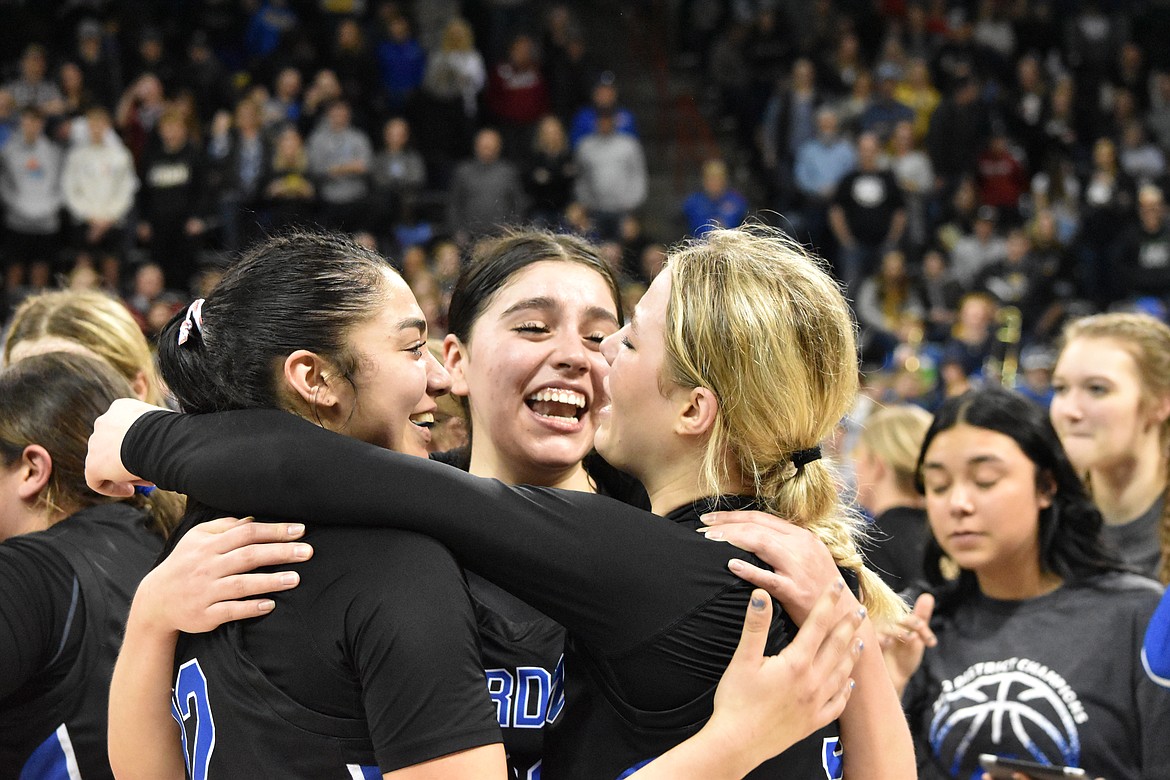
{"x":738,"y":361}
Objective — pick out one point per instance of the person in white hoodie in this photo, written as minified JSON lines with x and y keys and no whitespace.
{"x":30,"y":188}
{"x":98,"y":185}
{"x":612,"y":178}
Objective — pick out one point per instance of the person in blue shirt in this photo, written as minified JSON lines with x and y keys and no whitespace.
{"x":715,"y":204}
{"x":605,"y":100}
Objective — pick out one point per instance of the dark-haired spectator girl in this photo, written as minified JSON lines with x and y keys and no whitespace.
{"x":1107,"y":206}
{"x":1040,"y":621}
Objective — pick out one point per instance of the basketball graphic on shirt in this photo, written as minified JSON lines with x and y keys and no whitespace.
{"x":1016,"y":707}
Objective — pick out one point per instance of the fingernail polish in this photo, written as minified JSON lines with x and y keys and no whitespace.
{"x":757,"y":602}
{"x":861,"y":613}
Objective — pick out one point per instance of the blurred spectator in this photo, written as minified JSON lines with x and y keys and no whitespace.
{"x":152,"y":57}
{"x":205,"y":78}
{"x":1141,"y":159}
{"x":485,"y":191}
{"x":715,"y":204}
{"x":728,"y":70}
{"x":1017,"y":280}
{"x":570,"y":70}
{"x":611,"y":178}
{"x":884,"y":112}
{"x":972,"y":343}
{"x":289,"y":192}
{"x":9,"y":116}
{"x":356,"y":68}
{"x":454,"y":78}
{"x":939,"y":293}
{"x":238,"y":156}
{"x":845,"y":65}
{"x":30,"y":189}
{"x":68,"y":126}
{"x":1142,"y":256}
{"x":1158,"y":120}
{"x":172,"y":201}
{"x":1035,"y":378}
{"x":855,"y":103}
{"x":1025,"y":109}
{"x":271,"y":21}
{"x":402,"y":63}
{"x":1000,"y":176}
{"x":887,"y":309}
{"x":551,"y":173}
{"x":399,"y":175}
{"x":138,"y":112}
{"x":916,"y":92}
{"x":634,"y":242}
{"x":323,"y":92}
{"x":915,"y":176}
{"x":339,"y":161}
{"x":1107,"y":202}
{"x":284,"y":105}
{"x":975,"y":251}
{"x":868,"y":215}
{"x":821,"y":163}
{"x":100,"y":71}
{"x":1061,"y":129}
{"x":604,"y":100}
{"x":958,"y":216}
{"x":517,"y":96}
{"x":958,"y":130}
{"x":789,"y":122}
{"x":98,"y":186}
{"x":32,"y":87}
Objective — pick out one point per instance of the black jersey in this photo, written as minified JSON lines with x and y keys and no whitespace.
{"x":66,"y":593}
{"x":653,"y":613}
{"x":370,"y":665}
{"x":522,"y":648}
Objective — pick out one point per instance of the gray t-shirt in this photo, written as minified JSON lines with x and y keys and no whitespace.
{"x":1137,"y":541}
{"x":1055,"y":679}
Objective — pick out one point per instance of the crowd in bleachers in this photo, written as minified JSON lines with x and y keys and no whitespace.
{"x":143,"y":144}
{"x":976,"y":172}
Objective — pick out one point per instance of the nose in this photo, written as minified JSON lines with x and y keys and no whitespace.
{"x":438,"y":380}
{"x":959,"y":500}
{"x":1066,"y":405}
{"x":569,"y":353}
{"x":610,"y":345}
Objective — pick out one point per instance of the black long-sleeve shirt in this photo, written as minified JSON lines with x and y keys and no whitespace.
{"x":652,"y":611}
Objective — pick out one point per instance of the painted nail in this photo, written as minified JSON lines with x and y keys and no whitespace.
{"x":839,"y":585}
{"x":861,"y":613}
{"x":757,"y":603}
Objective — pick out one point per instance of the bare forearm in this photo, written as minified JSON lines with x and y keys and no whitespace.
{"x":143,"y":737}
{"x":706,"y":756}
{"x":874,"y":733}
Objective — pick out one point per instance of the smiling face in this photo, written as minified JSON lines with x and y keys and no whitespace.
{"x":390,"y":399}
{"x":1098,"y":407}
{"x":636,"y":427}
{"x":983,"y":503}
{"x":533,"y":370}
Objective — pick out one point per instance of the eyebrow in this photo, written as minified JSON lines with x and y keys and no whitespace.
{"x":544,"y":303}
{"x":978,"y":460}
{"x":412,"y":322}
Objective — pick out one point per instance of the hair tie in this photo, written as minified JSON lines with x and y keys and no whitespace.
{"x":802,"y":457}
{"x":193,"y":319}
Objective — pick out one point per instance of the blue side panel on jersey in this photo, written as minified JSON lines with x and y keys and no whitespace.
{"x":370,"y":773}
{"x":633,"y":769}
{"x":47,"y":762}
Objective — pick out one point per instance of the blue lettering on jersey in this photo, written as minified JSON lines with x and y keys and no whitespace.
{"x":533,"y":771}
{"x":53,"y":759}
{"x":832,"y":758}
{"x":531,"y":705}
{"x":527,"y":698}
{"x":556,"y":696}
{"x":501,"y":684}
{"x":191,"y":708}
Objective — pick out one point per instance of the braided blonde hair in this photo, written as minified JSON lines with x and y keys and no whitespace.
{"x":758,"y":321}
